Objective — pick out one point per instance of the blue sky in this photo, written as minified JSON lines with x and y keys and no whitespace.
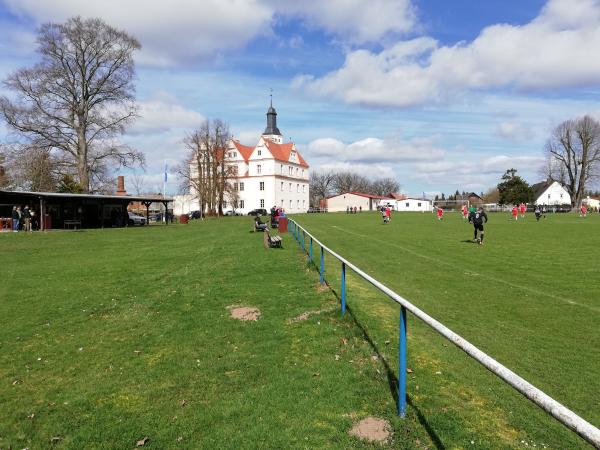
{"x":439,"y":95}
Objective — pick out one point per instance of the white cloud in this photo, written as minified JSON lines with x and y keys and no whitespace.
{"x":164,"y":113}
{"x":352,"y":19}
{"x":556,"y":49}
{"x":474,"y":172}
{"x":187,"y":30}
{"x":373,"y":150}
{"x":514,"y":131}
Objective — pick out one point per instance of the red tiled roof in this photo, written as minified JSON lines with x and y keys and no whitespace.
{"x":281,"y":152}
{"x":244,"y":150}
{"x":397,"y":196}
{"x":362,"y":194}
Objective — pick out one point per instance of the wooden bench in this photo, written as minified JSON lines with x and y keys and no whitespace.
{"x":272,"y":241}
{"x":73,"y":223}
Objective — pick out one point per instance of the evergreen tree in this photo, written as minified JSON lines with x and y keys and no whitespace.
{"x":513,"y":189}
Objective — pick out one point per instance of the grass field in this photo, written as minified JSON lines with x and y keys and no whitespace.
{"x":109,"y":336}
{"x":528,"y":297}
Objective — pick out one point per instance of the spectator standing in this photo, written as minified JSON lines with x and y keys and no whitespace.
{"x":16,"y":218}
{"x":26,"y":219}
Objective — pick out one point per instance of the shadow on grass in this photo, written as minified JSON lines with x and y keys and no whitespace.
{"x":392,"y":378}
{"x":469,"y":241}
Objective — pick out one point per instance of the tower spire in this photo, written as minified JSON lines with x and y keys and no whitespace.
{"x":272,"y":129}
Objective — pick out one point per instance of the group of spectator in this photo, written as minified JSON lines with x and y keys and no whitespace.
{"x":353,"y":209}
{"x":24,"y":219}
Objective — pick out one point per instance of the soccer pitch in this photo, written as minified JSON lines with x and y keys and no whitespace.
{"x":110,"y":336}
{"x":528,"y":297}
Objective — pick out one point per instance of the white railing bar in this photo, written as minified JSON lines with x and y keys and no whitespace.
{"x":560,"y":412}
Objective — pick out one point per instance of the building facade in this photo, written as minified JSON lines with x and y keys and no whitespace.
{"x":270,"y":173}
{"x":550,"y":193}
{"x":358,"y":200}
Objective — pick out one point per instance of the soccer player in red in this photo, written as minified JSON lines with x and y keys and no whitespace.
{"x":440,"y":213}
{"x":465,"y":212}
{"x":515,"y":213}
{"x":522,"y":209}
{"x":583,"y":211}
{"x":388,"y":213}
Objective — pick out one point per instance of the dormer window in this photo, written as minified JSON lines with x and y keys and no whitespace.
{"x":259,"y":152}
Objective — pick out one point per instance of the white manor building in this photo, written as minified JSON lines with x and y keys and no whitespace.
{"x":271,"y":173}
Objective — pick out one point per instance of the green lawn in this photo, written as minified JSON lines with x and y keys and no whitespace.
{"x":528,"y":297}
{"x":109,"y":336}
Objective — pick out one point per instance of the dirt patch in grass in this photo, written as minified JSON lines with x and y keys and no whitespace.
{"x":244,"y":313}
{"x":372,"y":429}
{"x":306,"y":314}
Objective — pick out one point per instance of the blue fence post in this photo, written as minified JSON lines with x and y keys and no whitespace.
{"x":310,"y":251}
{"x":343,"y":288}
{"x":402,"y":365}
{"x":303,"y":238}
{"x":322,"y":266}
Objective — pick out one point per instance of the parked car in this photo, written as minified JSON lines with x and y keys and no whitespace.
{"x":258,"y":212}
{"x":195,"y":215}
{"x":135,"y":219}
{"x":231,"y":212}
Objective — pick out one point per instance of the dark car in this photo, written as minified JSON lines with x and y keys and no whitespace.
{"x":258,"y":212}
{"x":195,"y":215}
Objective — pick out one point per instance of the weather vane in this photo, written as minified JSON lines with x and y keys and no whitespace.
{"x":271,"y":95}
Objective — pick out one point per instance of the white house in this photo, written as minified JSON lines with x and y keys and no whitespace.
{"x":271,"y":173}
{"x":550,"y":193}
{"x":185,"y":204}
{"x":413,"y":204}
{"x":362,"y":202}
{"x":591,"y":202}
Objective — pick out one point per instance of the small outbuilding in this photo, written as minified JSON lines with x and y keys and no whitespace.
{"x":551,"y":193}
{"x":413,"y":204}
{"x":65,"y":210}
{"x":358,"y":200}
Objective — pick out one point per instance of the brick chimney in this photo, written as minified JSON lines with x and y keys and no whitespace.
{"x":121,"y":185}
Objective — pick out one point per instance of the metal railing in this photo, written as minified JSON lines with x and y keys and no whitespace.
{"x":560,"y":412}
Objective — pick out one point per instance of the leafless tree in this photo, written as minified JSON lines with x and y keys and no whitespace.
{"x":320,"y":186}
{"x":78,"y":98}
{"x":207,"y":173}
{"x":384,"y":186}
{"x":31,"y":168}
{"x":350,"y":182}
{"x":3,"y":171}
{"x":492,"y":195}
{"x":573,"y":155}
{"x":137,"y":183}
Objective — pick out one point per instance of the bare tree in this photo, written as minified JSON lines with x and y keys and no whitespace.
{"x":384,"y":186}
{"x":78,"y":98}
{"x":320,"y":186}
{"x":573,"y":155}
{"x":137,"y":182}
{"x":207,"y":172}
{"x":4,"y":182}
{"x":350,"y":182}
{"x":31,"y":168}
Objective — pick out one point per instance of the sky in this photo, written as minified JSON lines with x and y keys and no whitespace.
{"x":439,"y":95}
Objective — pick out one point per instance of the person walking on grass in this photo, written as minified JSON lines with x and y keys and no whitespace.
{"x":583,"y":211}
{"x":478,"y":218}
{"x":440,"y":213}
{"x":537,"y":212}
{"x":522,"y":209}
{"x":465,"y":212}
{"x":515,"y":212}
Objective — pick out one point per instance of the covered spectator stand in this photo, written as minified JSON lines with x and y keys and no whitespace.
{"x":62,"y":210}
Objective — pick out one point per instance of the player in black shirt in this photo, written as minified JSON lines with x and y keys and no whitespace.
{"x":477,"y":218}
